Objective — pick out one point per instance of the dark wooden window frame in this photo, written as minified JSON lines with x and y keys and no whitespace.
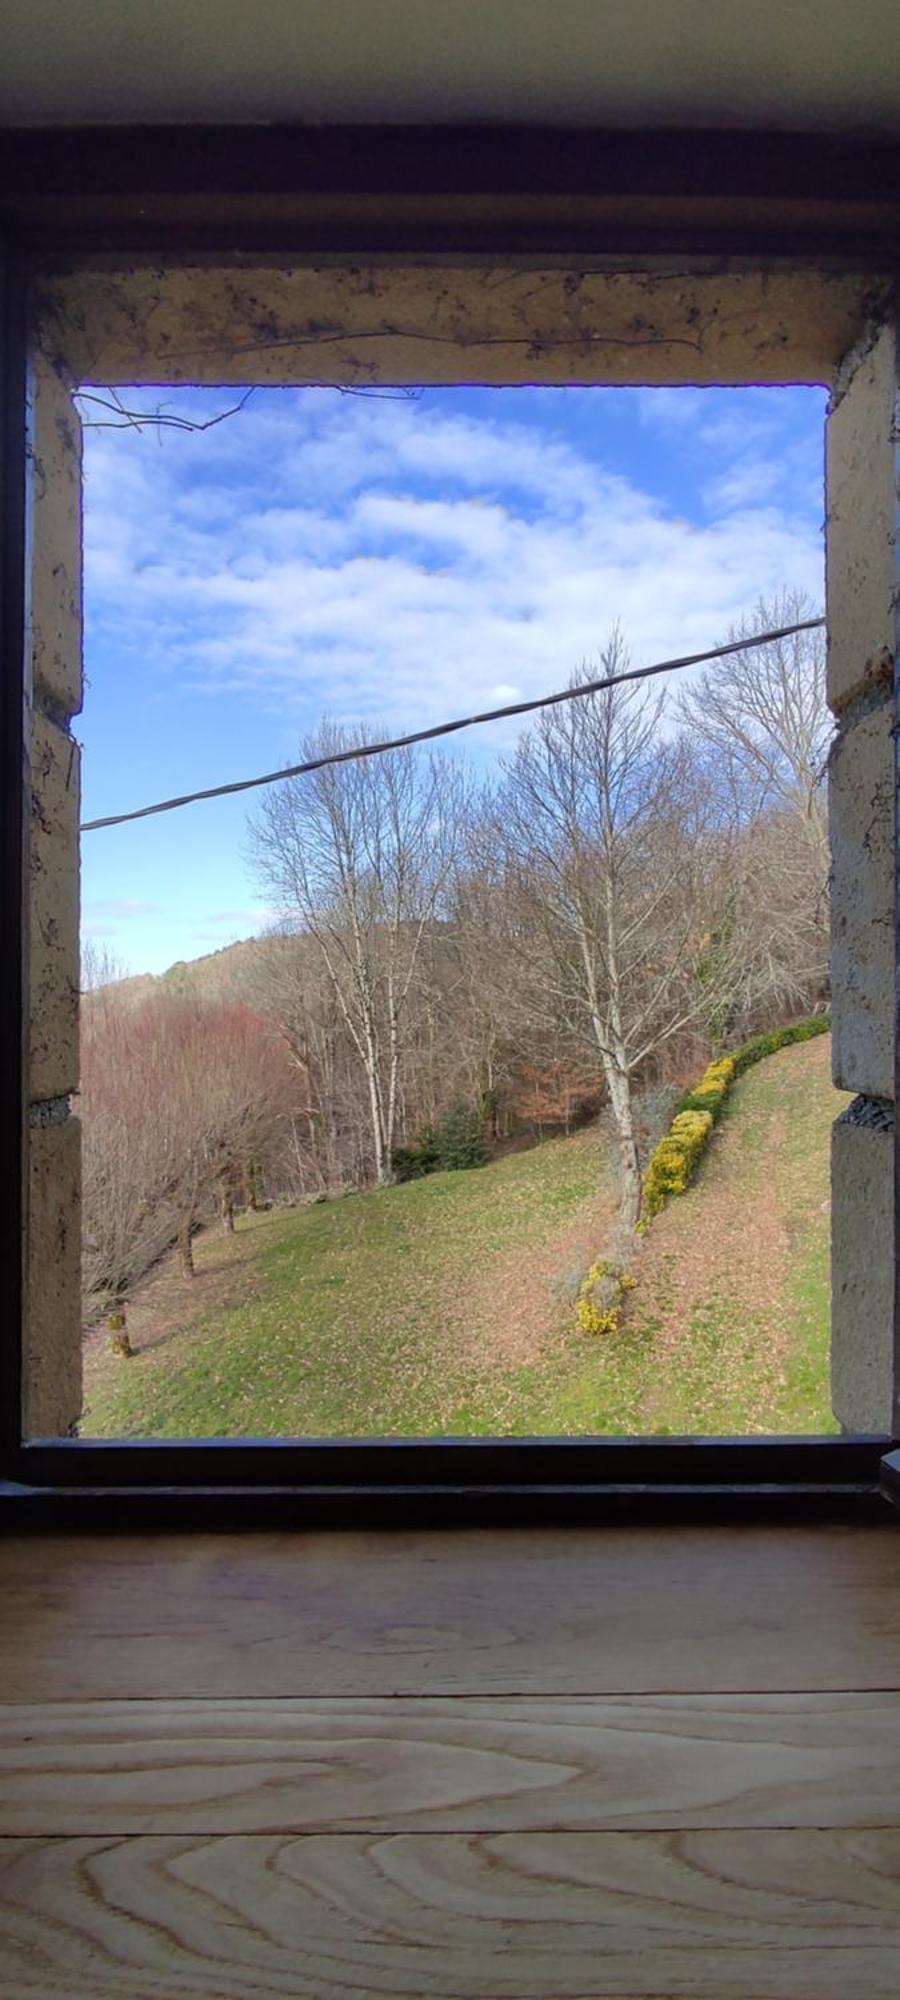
{"x":651,"y":196}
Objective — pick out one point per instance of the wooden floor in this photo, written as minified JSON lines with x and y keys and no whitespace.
{"x":511,"y":1766}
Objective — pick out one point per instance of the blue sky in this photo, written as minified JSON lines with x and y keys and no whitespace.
{"x":395,"y":560}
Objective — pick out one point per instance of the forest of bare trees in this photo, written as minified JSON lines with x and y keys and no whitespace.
{"x":642,"y":879}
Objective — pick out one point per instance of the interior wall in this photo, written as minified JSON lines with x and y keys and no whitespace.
{"x":861,"y":546}
{"x":52,"y":1375}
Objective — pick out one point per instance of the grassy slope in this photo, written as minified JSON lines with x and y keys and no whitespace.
{"x":446,"y":1304}
{"x":735,"y":1283}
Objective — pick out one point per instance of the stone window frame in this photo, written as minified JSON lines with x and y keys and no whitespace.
{"x":623,"y":320}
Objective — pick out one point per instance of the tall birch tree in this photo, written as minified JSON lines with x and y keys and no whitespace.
{"x":358,"y":857}
{"x":609,"y":859}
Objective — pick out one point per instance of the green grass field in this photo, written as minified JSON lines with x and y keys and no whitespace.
{"x":446,"y":1305}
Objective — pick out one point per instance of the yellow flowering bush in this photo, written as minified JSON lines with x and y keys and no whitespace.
{"x":600,"y":1298}
{"x":710,"y":1093}
{"x":673,"y":1163}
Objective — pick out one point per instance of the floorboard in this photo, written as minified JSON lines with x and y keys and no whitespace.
{"x":624,"y":1764}
{"x":627,"y":1611}
{"x":713,"y":1916}
{"x":445,"y":1765}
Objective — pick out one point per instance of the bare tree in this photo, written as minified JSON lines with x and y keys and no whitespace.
{"x":609,"y":859}
{"x":475,"y":1000}
{"x":99,"y":967}
{"x":770,"y":942}
{"x":330,"y":1145}
{"x":181,"y":1101}
{"x":765,"y":715}
{"x":228,"y":1087}
{"x":359,"y":855}
{"x":763,"y":721}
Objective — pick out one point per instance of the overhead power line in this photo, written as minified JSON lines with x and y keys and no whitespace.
{"x":449,"y":728}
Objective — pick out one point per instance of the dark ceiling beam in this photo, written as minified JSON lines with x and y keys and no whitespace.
{"x":273,"y":159}
{"x":458,"y":186}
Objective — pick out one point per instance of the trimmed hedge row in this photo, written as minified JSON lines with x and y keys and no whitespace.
{"x":675,"y":1160}
{"x":778,"y":1038}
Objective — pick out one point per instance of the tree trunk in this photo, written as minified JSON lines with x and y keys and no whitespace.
{"x":615,"y":1065}
{"x":393,"y":1079}
{"x":227,"y":1210}
{"x":381,"y":1166}
{"x":620,"y":1097}
{"x":185,"y":1243}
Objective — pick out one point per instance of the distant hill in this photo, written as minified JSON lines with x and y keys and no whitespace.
{"x":218,"y":975}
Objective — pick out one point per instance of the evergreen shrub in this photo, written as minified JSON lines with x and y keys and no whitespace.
{"x":455,"y":1142}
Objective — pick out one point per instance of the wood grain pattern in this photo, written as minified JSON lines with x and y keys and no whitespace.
{"x":648,"y":1765}
{"x":509,"y":1611}
{"x":702,"y":1916}
{"x":444,"y":1765}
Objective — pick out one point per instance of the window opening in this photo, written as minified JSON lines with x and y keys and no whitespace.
{"x":395,"y":1075}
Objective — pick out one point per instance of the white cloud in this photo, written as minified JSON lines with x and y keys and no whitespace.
{"x":248,"y":919}
{"x":118,"y":907}
{"x":296,"y":568}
